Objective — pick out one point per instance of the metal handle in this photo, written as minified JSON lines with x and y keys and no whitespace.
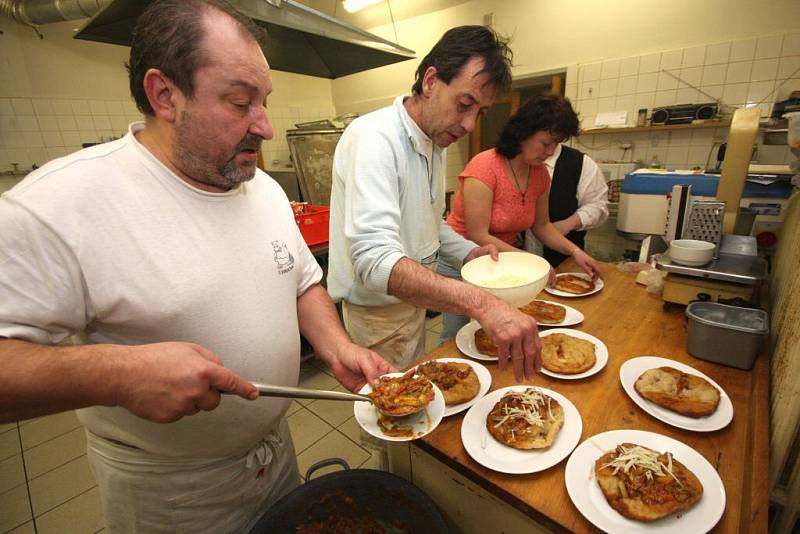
{"x":268,"y":390}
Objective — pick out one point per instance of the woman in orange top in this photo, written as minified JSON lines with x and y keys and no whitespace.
{"x":504,"y":191}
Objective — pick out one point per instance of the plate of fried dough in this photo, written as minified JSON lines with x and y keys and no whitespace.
{"x":473,"y":341}
{"x":548,"y":313}
{"x":461,"y":381}
{"x":514,"y":444}
{"x":571,"y":354}
{"x":676,"y":393}
{"x":574,"y":285}
{"x":604,"y":478}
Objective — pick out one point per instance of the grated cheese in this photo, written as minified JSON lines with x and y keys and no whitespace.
{"x":643,"y":458}
{"x":532,"y":401}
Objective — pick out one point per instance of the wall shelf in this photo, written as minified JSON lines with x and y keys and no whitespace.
{"x":658,"y":127}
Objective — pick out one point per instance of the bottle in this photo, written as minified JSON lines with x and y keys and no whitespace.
{"x":654,"y":163}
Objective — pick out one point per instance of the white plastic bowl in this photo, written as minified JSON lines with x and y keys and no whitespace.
{"x":516,"y":278}
{"x":691,"y":252}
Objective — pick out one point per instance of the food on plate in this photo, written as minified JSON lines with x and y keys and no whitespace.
{"x":680,"y":392}
{"x":402,"y":395}
{"x":573,"y":284}
{"x":484,"y":343}
{"x":457,"y":380}
{"x":544,"y":312}
{"x":526,"y":419}
{"x":392,"y":427}
{"x":646,"y":485}
{"x":565,"y":354}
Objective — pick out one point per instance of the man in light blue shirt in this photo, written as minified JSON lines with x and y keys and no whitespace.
{"x":387,"y":204}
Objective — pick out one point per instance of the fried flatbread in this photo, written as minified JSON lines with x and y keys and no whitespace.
{"x":484,"y":343}
{"x":526,"y":420}
{"x":573,"y":284}
{"x":544,"y":312}
{"x":565,"y":354}
{"x":402,"y":395}
{"x":458,"y":381}
{"x":680,"y":392}
{"x":645,"y":485}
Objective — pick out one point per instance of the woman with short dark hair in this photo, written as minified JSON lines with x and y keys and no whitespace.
{"x":504,"y":191}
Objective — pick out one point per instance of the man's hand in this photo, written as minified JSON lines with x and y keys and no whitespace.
{"x":355,"y":366}
{"x":163,"y":382}
{"x":482,"y":251}
{"x":516,"y":336}
{"x":587,"y":263}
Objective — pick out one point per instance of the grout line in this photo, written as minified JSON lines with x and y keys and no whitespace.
{"x":25,"y":473}
{"x":62,"y":504}
{"x":53,"y":469}
{"x":48,"y":439}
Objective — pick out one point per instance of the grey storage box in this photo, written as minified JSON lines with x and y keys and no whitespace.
{"x":725,"y":334}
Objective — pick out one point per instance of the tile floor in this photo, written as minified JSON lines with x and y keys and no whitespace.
{"x":46,"y":486}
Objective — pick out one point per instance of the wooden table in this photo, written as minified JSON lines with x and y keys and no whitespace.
{"x":631,"y":322}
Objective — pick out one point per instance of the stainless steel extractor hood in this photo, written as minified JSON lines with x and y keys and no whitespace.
{"x":299,"y":39}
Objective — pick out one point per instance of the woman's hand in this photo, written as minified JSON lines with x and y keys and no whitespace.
{"x":587,"y":263}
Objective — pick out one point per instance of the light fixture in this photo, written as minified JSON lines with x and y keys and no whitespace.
{"x":351,"y":6}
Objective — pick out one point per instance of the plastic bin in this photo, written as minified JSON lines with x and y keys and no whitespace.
{"x":313,"y":222}
{"x":725,"y":334}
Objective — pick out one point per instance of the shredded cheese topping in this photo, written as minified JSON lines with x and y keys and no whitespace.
{"x":645,"y":459}
{"x":531,"y":401}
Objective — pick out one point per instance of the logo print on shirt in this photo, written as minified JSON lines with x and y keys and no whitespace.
{"x":282,"y":257}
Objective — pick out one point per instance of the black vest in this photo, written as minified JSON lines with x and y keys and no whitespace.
{"x":564,"y":197}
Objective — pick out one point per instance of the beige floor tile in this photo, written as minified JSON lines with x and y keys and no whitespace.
{"x":322,"y":366}
{"x":293,"y":407}
{"x":9,"y":444}
{"x":333,"y":445}
{"x":332,"y":412}
{"x":306,"y":429}
{"x":55,"y":452}
{"x":351,"y":429}
{"x":15,"y":509}
{"x":313,"y":378}
{"x":431,"y":341}
{"x":26,"y":528}
{"x":83,"y":513}
{"x":40,"y":430}
{"x":60,"y":485}
{"x":5,"y":427}
{"x":12,"y":473}
{"x":373,"y":461}
{"x":433,"y":322}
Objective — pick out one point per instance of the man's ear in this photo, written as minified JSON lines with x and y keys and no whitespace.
{"x":162,"y":94}
{"x":429,"y":79}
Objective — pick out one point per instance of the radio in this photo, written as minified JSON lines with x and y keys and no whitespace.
{"x":684,"y":114}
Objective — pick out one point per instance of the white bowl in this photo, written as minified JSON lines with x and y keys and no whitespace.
{"x":691,"y":252}
{"x":516,"y":278}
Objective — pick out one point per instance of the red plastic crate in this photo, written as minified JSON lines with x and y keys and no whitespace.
{"x":313,"y":222}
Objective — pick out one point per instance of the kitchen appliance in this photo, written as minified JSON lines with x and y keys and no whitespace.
{"x":730,"y":335}
{"x":339,"y":499}
{"x":684,"y":114}
{"x":300,"y":39}
{"x":312,"y":153}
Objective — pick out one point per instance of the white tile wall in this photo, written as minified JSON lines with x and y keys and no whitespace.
{"x":747,"y":72}
{"x":36,"y":130}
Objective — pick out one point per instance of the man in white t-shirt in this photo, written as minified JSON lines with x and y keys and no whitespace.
{"x":182,"y":266}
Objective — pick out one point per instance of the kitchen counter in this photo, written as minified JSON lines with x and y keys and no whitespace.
{"x":631,"y":322}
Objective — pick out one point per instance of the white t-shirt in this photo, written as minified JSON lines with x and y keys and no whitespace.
{"x":109,"y":242}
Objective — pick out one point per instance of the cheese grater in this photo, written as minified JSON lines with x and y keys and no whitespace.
{"x":705,"y":222}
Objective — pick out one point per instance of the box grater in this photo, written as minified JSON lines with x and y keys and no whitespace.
{"x":705,"y":222}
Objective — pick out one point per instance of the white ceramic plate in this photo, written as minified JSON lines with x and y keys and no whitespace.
{"x":598,"y":285}
{"x":600,"y":353}
{"x":484,"y":378}
{"x":489,"y":452}
{"x":588,"y":498}
{"x":422,"y":422}
{"x":633,"y":369}
{"x":465,"y":341}
{"x":572,"y":317}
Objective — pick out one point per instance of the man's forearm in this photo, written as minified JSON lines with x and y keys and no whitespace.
{"x":319,"y":322}
{"x":413,"y":283}
{"x":38,"y":380}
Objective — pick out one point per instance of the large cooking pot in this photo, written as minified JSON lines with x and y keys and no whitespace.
{"x":347,"y":497}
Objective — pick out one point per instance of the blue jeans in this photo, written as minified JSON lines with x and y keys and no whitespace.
{"x":451,"y":323}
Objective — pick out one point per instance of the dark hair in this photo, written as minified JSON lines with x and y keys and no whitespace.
{"x":552,"y":113}
{"x":459,"y":45}
{"x":169,"y":37}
